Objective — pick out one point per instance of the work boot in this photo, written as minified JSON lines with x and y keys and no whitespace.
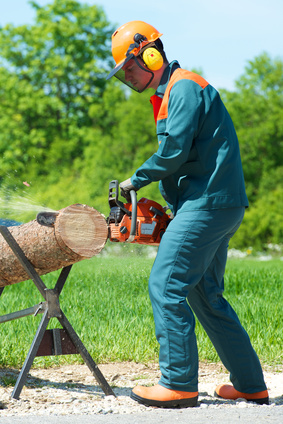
{"x":227,"y":391}
{"x":163,"y":397}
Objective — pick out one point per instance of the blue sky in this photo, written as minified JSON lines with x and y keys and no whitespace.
{"x":217,"y":36}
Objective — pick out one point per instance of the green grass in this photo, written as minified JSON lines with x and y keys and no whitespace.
{"x":255,"y":290}
{"x":106,"y":300}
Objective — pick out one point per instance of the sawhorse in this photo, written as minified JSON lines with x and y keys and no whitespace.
{"x":48,"y":342}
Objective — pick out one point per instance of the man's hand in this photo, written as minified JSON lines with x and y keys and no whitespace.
{"x":125,"y":188}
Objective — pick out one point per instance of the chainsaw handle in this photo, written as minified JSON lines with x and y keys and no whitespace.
{"x":113,"y":201}
{"x":133,"y":230}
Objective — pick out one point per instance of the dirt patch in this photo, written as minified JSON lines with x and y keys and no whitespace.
{"x":72,"y":389}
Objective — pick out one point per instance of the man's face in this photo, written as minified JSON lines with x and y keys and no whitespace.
{"x":137,"y":75}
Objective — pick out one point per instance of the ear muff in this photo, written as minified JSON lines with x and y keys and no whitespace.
{"x":152,"y":58}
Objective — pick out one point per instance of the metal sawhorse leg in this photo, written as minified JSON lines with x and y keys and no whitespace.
{"x":48,"y":342}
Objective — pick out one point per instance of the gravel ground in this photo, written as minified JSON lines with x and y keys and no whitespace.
{"x":72,"y":390}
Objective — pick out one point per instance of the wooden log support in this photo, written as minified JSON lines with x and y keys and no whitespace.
{"x":79,"y":232}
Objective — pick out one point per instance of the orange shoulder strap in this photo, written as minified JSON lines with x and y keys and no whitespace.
{"x":177,"y":75}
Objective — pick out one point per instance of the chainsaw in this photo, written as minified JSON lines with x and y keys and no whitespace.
{"x":142,"y":222}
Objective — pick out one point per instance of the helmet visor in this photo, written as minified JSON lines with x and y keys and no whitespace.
{"x":120,"y":72}
{"x":121,"y":75}
{"x":119,"y":66}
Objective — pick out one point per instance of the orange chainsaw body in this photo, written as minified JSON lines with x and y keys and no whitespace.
{"x":151,"y":223}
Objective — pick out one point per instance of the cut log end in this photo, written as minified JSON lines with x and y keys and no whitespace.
{"x":81,"y":229}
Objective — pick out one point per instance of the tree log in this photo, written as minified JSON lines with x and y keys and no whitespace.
{"x":79,"y":232}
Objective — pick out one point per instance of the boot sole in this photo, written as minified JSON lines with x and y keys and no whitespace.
{"x":190,"y":402}
{"x":262,"y":401}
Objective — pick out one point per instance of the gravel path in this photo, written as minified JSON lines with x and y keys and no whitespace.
{"x":72,"y":391}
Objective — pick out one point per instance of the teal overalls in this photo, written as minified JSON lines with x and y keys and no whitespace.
{"x":198,"y":166}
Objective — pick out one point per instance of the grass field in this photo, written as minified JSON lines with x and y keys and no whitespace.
{"x":106,"y":300}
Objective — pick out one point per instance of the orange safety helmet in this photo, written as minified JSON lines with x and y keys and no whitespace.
{"x":129,"y":41}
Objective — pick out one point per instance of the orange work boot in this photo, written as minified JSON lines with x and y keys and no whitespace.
{"x":227,"y":391}
{"x":163,"y":397}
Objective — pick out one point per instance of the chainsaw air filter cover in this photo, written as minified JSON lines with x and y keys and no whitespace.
{"x":152,"y":222}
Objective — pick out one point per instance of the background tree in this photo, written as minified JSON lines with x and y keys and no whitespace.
{"x":52,"y":74}
{"x":257,"y":111}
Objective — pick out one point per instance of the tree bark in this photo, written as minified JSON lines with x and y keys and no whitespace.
{"x":79,"y":232}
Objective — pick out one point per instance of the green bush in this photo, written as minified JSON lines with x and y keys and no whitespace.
{"x":262,"y":223}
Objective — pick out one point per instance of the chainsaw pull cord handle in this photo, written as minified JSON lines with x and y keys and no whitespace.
{"x":133,"y":230}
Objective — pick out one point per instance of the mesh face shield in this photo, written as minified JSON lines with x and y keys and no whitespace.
{"x":119,"y":72}
{"x":121,"y":75}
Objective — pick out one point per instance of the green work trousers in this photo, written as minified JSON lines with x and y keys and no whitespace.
{"x":188,"y":276}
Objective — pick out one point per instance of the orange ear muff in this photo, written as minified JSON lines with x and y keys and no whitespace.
{"x":152,"y":58}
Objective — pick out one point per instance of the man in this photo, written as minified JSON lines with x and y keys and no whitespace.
{"x":200,"y":175}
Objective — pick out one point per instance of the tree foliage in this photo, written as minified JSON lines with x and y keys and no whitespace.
{"x":68,"y":131}
{"x":52,"y":74}
{"x":257,"y":112}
